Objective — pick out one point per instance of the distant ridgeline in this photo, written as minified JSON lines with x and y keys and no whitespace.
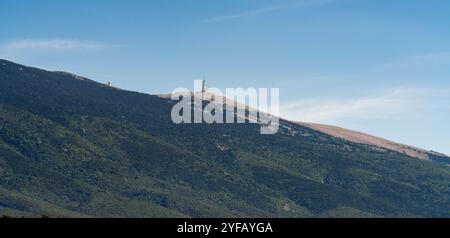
{"x":362,"y":138}
{"x":72,"y":147}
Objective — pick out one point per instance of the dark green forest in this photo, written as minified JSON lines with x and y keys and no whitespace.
{"x":72,"y":147}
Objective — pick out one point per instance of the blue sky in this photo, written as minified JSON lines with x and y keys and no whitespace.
{"x":377,"y":66}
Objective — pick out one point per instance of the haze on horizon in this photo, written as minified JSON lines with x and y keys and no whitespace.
{"x":376,"y":66}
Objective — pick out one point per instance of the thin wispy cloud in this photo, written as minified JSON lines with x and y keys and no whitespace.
{"x":415,"y":61}
{"x":274,"y":8}
{"x":53,"y":45}
{"x":388,"y":105}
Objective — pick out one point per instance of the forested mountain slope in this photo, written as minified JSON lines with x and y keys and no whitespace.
{"x":71,"y":147}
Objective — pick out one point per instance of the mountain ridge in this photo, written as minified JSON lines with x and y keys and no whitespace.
{"x":364,"y":138}
{"x":332,"y":130}
{"x":335,"y":131}
{"x":71,"y":147}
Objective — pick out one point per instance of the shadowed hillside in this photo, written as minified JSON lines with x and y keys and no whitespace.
{"x":72,"y":147}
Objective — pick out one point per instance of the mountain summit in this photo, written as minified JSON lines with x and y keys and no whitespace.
{"x":72,"y":147}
